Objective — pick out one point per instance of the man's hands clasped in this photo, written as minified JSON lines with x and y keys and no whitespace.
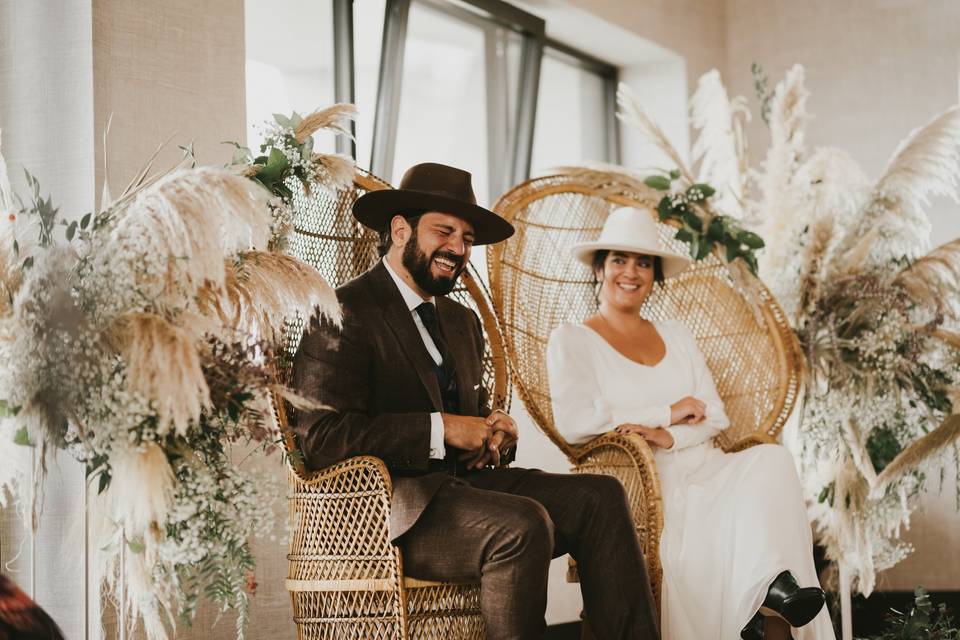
{"x":485,"y":440}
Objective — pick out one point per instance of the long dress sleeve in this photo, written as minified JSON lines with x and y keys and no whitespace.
{"x":705,"y":390}
{"x":580,"y":411}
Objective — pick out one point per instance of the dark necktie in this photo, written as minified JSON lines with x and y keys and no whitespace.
{"x":446,"y":371}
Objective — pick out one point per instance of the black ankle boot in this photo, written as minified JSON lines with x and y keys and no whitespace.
{"x":787,"y":600}
{"x":754,"y":628}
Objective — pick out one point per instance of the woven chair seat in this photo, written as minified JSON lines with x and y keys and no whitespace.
{"x":345,"y":577}
{"x":536,"y":286}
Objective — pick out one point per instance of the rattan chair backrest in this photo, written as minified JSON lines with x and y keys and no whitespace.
{"x":537,"y":285}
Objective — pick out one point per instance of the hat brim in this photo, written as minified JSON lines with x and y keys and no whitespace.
{"x":376,"y":209}
{"x":673,"y":264}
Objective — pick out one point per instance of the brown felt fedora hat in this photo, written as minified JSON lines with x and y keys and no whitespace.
{"x":432,"y":187}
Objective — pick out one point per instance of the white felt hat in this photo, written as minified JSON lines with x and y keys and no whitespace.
{"x":633,"y":231}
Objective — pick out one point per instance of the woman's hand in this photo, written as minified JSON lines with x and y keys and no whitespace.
{"x":654,"y":436}
{"x":687,"y":410}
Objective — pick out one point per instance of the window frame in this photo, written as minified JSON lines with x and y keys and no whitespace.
{"x":516,"y":140}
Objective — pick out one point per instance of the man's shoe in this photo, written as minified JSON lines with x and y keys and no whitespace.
{"x":787,"y":600}
{"x":754,"y":628}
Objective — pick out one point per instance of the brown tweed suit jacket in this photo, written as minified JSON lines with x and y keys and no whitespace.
{"x":377,"y":380}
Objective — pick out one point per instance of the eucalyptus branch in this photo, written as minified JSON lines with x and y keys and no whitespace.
{"x":703,"y":231}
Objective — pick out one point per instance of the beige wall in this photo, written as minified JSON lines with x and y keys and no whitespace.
{"x":876,"y":69}
{"x":170,"y":70}
{"x":693,"y":28}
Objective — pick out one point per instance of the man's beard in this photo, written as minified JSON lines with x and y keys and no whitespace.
{"x":418,"y":264}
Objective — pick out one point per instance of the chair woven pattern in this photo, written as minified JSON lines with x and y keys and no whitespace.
{"x":444,"y":610}
{"x":537,"y":285}
{"x":328,"y":238}
{"x":344,"y":575}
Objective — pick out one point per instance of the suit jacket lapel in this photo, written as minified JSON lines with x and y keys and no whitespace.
{"x":458,"y":343}
{"x":400,"y":321}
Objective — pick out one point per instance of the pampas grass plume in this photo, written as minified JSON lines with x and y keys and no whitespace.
{"x":930,"y":445}
{"x":265,"y":289}
{"x":164,"y":366}
{"x":934,"y":279}
{"x":198,"y":215}
{"x":336,"y":118}
{"x":926,"y":163}
{"x":719,"y":145}
{"x":788,"y":117}
{"x":634,"y":115}
{"x":339,"y":169}
{"x":141,"y":489}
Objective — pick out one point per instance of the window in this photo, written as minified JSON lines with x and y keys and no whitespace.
{"x":443,"y":104}
{"x":288,"y":69}
{"x":575,"y":111}
{"x":457,"y":83}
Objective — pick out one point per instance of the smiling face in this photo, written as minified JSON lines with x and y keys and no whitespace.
{"x":435,"y":251}
{"x":626,"y":279}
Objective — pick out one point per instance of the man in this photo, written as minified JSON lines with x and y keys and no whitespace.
{"x":401,"y":381}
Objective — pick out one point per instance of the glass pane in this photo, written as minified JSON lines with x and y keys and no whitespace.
{"x":289,"y":68}
{"x":443,"y":115}
{"x":367,"y":40}
{"x":571,"y":122}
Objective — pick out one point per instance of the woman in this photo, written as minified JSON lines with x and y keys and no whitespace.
{"x":736,"y":548}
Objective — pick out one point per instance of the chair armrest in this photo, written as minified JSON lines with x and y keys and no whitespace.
{"x":340,"y":519}
{"x":749,"y":441}
{"x":629,"y":458}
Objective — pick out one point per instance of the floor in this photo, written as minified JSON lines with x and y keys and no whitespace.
{"x":869,"y":614}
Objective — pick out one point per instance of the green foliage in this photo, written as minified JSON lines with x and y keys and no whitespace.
{"x":99,"y":467}
{"x":660,"y":183}
{"x":761,"y":84}
{"x":6,"y":410}
{"x":273,"y":167}
{"x":922,"y":622}
{"x":702,"y":230}
{"x":22,"y":437}
{"x":826,"y":494}
{"x":43,"y":209}
{"x":882,"y":447}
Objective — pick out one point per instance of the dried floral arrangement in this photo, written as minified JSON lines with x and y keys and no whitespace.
{"x":876,"y":313}
{"x":145,"y":343}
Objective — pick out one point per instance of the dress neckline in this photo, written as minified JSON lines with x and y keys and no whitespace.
{"x":656,"y":327}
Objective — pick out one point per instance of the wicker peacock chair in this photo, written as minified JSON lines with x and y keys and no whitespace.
{"x":536,"y":286}
{"x":345,"y":577}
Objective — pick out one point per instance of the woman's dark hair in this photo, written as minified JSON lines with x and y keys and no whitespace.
{"x":600,"y":258}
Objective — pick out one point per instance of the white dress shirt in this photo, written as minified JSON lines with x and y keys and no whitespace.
{"x":413,"y":300}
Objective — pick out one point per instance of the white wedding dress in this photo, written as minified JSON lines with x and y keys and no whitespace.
{"x":732,"y":521}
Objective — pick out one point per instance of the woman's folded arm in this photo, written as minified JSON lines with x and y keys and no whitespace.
{"x":705,"y":390}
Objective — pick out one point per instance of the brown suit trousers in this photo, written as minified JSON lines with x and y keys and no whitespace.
{"x":500,"y":526}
